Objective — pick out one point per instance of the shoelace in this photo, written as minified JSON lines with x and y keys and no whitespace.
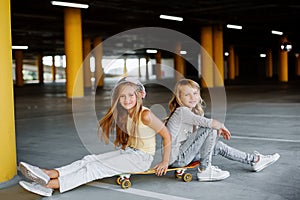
{"x":216,"y":168}
{"x":262,"y":156}
{"x":213,"y":168}
{"x":257,"y":153}
{"x":31,"y":175}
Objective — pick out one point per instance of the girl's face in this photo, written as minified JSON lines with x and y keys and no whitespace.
{"x":189,"y":96}
{"x":128,"y":98}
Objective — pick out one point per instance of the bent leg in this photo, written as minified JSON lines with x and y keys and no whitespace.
{"x":207,"y":149}
{"x":201,"y":142}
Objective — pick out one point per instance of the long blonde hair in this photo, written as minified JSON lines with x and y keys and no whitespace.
{"x":116,"y":117}
{"x":176,"y":102}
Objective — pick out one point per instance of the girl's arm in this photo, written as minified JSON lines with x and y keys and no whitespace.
{"x":194,"y":119}
{"x":222,"y":130}
{"x":188,"y":117}
{"x":149,"y":119}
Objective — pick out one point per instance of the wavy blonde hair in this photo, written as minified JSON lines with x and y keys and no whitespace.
{"x":116,"y":117}
{"x":176,"y":102}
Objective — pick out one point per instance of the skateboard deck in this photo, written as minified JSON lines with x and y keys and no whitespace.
{"x":152,"y":171}
{"x":124,"y":179}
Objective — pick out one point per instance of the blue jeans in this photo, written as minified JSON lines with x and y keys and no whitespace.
{"x":199,"y":146}
{"x":232,"y":153}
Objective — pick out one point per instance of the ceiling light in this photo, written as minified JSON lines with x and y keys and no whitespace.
{"x":68,"y":4}
{"x":262,"y":55}
{"x":171,"y":17}
{"x":19,"y":47}
{"x":277,"y":32}
{"x":286,"y":46}
{"x":234,"y":26}
{"x":183,"y":52}
{"x":151,"y":51}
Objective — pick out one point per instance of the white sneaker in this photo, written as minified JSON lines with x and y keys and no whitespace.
{"x":36,"y":188}
{"x":264,"y":161}
{"x":212,"y":173}
{"x":34,"y":173}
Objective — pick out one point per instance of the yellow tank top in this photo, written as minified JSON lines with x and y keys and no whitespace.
{"x":146,"y":141}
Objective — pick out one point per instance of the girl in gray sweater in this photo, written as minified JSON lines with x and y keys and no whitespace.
{"x":195,"y":137}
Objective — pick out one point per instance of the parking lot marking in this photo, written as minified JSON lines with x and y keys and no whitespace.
{"x":265,"y":139}
{"x":139,"y":192}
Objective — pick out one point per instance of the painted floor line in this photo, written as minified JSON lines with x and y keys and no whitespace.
{"x":265,"y":139}
{"x":137,"y":191}
{"x":262,"y":115}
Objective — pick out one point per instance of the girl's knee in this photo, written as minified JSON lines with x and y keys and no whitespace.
{"x":214,"y":134}
{"x":218,"y":147}
{"x":219,"y":144}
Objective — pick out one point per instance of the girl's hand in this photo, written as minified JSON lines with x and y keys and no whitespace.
{"x":161,"y":168}
{"x":224,"y":132}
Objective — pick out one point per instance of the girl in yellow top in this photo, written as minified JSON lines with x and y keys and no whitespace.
{"x":135,"y":127}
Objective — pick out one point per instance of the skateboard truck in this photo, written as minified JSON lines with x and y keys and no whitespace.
{"x":181,"y":174}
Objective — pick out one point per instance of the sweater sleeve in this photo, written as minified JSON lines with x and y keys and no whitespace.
{"x":194,"y":119}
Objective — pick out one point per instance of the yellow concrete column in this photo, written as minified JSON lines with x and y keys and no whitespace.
{"x":207,"y":57}
{"x":236,"y":65}
{"x":98,"y":53}
{"x":231,"y":63}
{"x":53,"y":69}
{"x":179,"y":63}
{"x":283,"y":63}
{"x":158,"y":65}
{"x":86,"y":62}
{"x":218,"y":56}
{"x":73,"y":50}
{"x":8,"y":163}
{"x":283,"y":66}
{"x":297,"y":65}
{"x":125,"y":68}
{"x":19,"y":67}
{"x":39,"y":62}
{"x":269,"y":64}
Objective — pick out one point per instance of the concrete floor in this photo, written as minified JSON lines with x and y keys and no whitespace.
{"x":263,"y":117}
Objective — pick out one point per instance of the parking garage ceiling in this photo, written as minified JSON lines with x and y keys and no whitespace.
{"x":39,"y":24}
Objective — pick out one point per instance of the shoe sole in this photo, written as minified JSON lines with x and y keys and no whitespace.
{"x":267,"y":164}
{"x":26,"y":172}
{"x":213,"y":179}
{"x":34,"y":191}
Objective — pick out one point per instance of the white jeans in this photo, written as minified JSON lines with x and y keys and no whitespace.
{"x":93,"y":167}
